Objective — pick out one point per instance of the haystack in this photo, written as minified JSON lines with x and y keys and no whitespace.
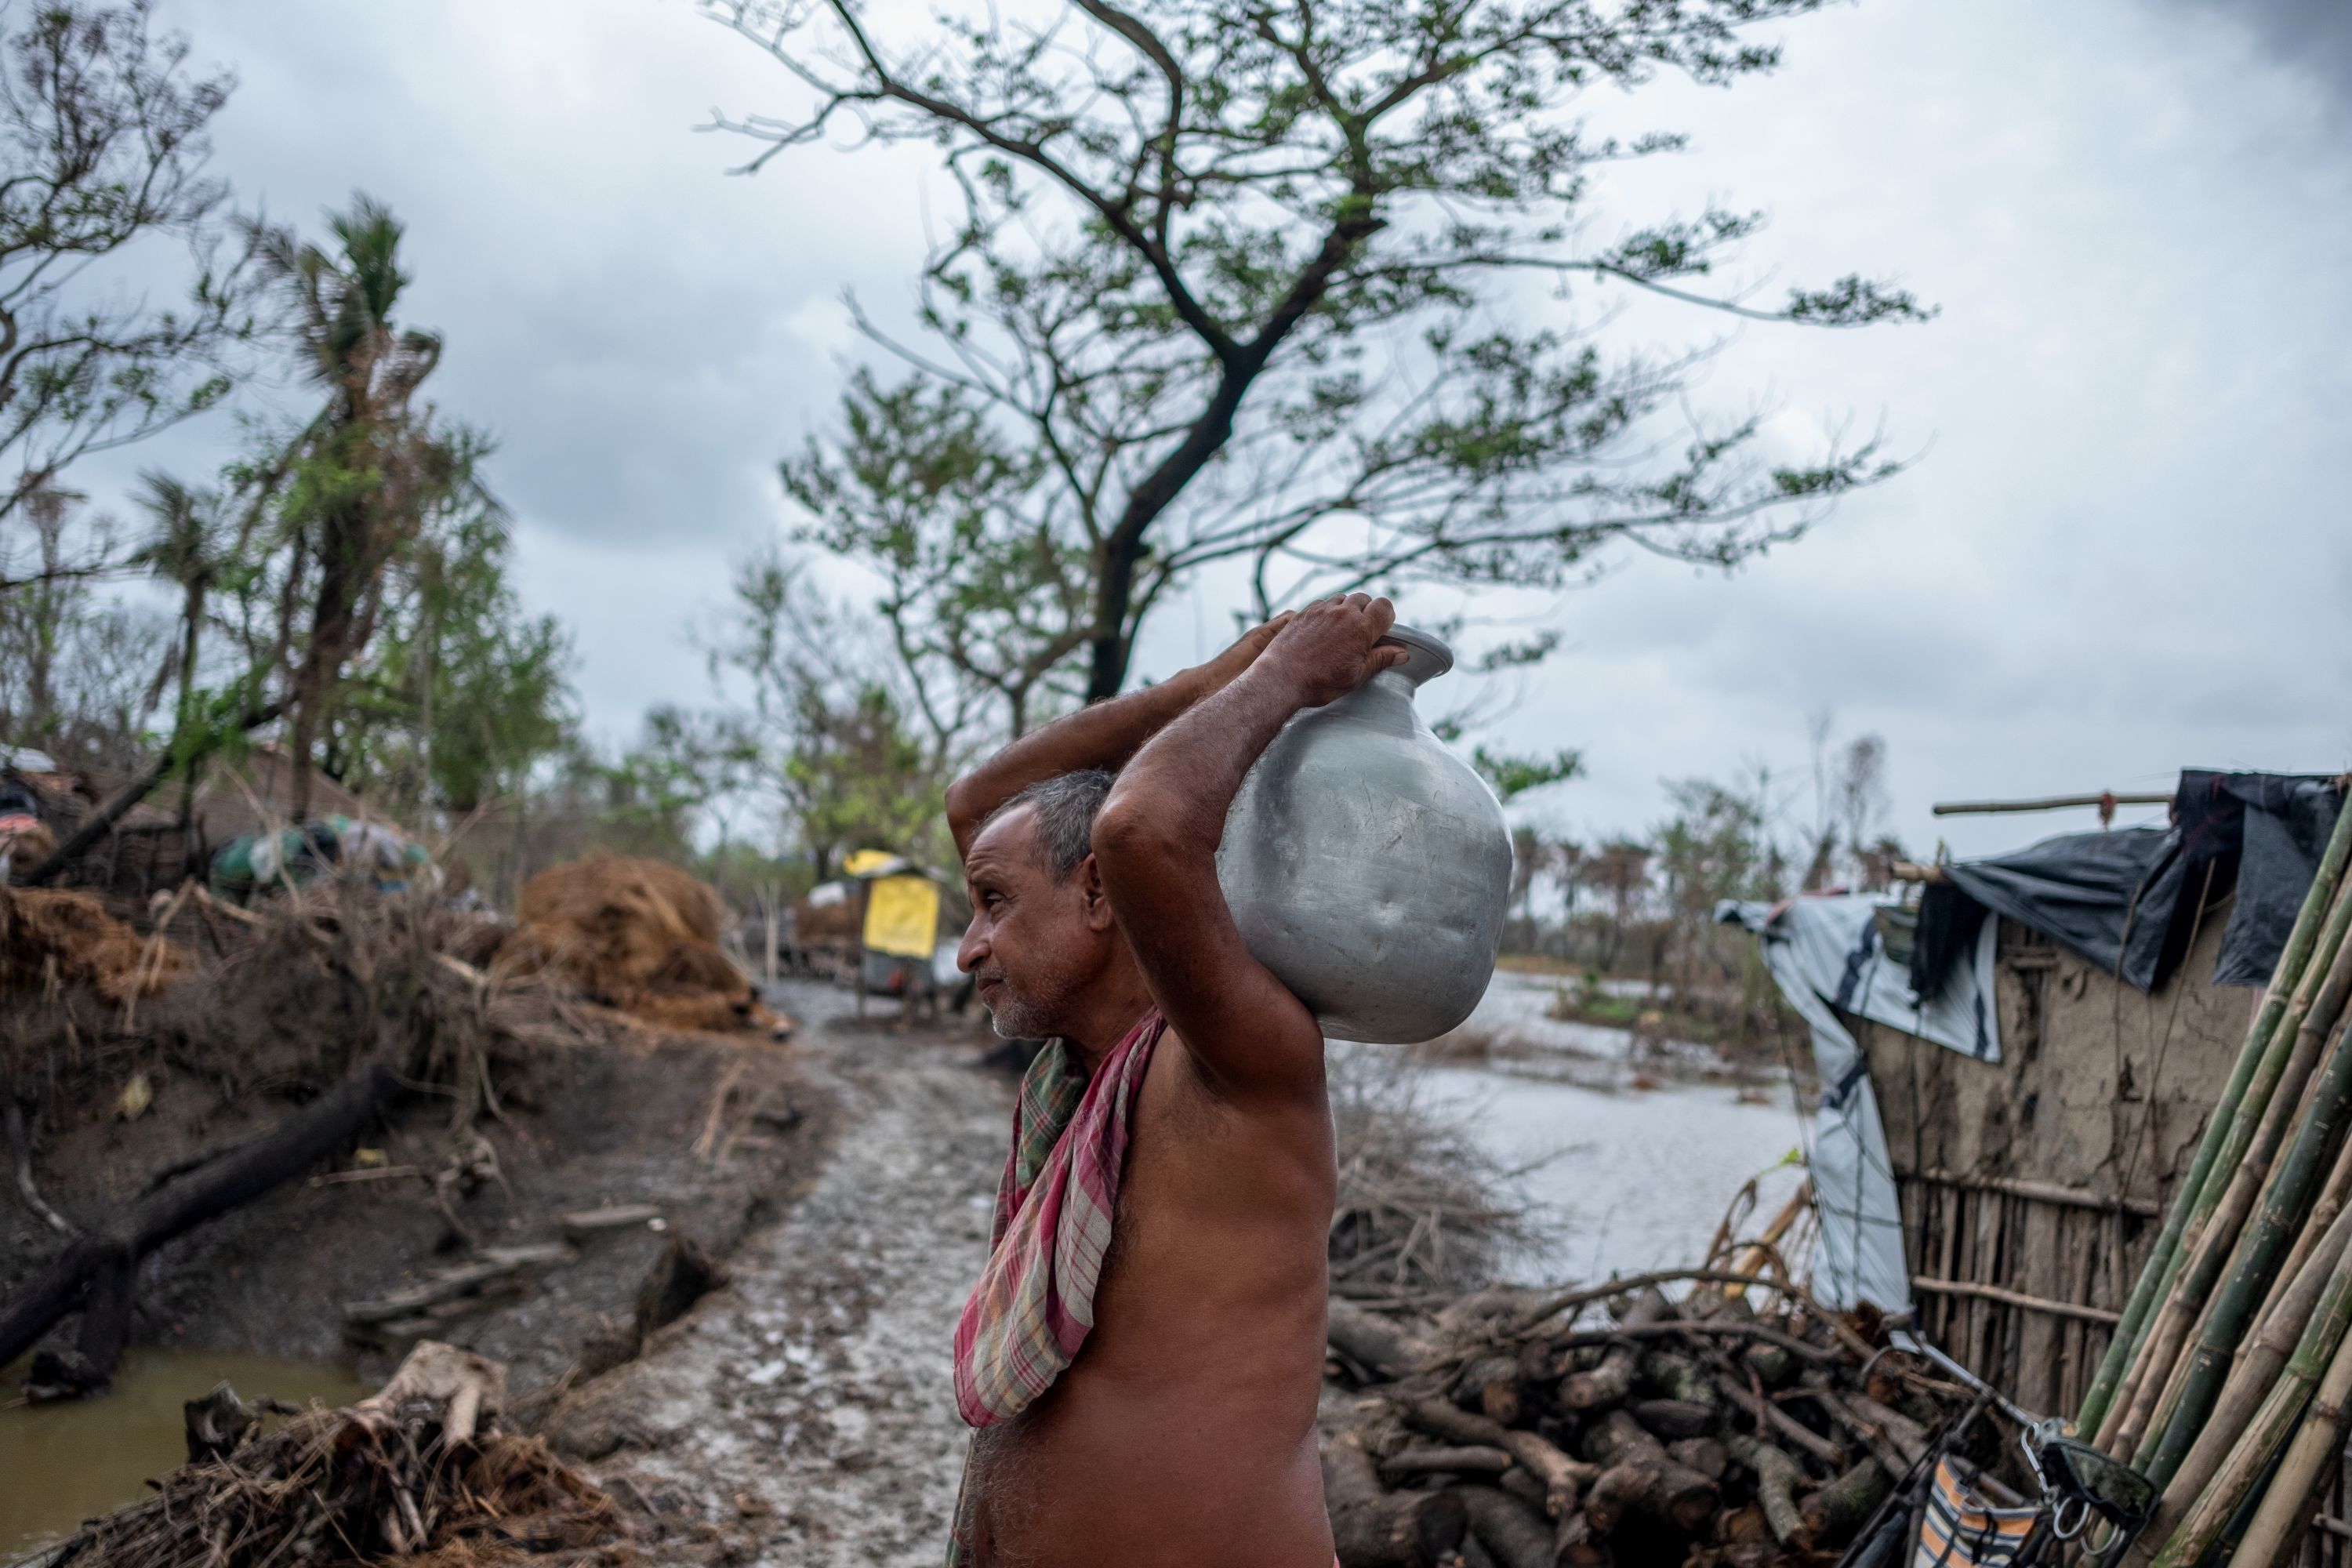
{"x":636,"y":934}
{"x":66,"y":938}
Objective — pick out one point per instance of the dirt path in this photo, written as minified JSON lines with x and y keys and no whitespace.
{"x":805,"y":1411}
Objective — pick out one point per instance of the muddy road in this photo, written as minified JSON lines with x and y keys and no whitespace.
{"x":803,"y":1414}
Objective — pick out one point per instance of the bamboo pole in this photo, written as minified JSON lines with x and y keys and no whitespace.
{"x":2240,"y":1471}
{"x":2285,"y":976}
{"x":2264,"y":1240}
{"x":2332,"y":1198}
{"x":2287,"y":1506}
{"x":2281,"y":1331}
{"x":2256,"y":1133}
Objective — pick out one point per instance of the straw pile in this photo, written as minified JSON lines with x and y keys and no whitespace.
{"x":2229,"y":1379}
{"x":52,"y":939}
{"x":419,"y":1472}
{"x":636,"y":934}
{"x":1708,"y":1433}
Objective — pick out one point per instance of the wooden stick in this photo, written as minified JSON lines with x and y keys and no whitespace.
{"x":2045,"y":1191}
{"x":2043,"y":803}
{"x":1790,"y":1342}
{"x":1768,"y":1414}
{"x":1970,"y":1288}
{"x":1584,"y":1296}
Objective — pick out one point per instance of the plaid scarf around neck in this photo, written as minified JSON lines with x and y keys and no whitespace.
{"x":1034,"y":1303}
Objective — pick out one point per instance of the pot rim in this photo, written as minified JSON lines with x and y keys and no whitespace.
{"x":1427,"y":656}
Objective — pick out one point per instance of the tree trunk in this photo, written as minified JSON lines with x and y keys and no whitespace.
{"x":238,"y":1176}
{"x":193,"y":613}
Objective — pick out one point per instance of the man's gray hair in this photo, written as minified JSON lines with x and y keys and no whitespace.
{"x":1065,"y":806}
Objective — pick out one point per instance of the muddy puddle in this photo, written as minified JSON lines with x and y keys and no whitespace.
{"x":60,"y":1464}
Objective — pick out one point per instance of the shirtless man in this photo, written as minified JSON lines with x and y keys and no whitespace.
{"x":1183,"y":1433}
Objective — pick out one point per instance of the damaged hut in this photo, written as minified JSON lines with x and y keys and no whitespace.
{"x":2021,"y":1060}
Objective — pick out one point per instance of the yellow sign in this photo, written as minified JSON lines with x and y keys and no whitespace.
{"x":869,"y":862}
{"x":902,"y":916}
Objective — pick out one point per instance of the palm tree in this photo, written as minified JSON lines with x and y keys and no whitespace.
{"x":372,"y":468}
{"x":182,"y":546}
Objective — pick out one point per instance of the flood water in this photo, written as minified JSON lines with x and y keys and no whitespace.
{"x":1624,"y":1179}
{"x":60,"y":1464}
{"x":1631,"y":1162}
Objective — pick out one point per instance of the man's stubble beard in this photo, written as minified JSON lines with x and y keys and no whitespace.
{"x":1019,"y":1016}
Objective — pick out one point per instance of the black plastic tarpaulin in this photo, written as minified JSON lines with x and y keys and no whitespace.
{"x":2128,"y":900}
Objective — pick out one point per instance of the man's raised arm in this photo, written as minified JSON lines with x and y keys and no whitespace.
{"x":1101,"y":735}
{"x":1155,"y":843}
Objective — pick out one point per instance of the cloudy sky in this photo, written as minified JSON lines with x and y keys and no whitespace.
{"x":2122,"y":549}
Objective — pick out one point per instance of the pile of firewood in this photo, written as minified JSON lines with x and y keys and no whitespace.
{"x":1742,"y":1427}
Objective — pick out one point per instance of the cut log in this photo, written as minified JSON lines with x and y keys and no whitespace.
{"x":1562,"y":1477}
{"x":1776,"y":1480}
{"x":1388,"y":1350}
{"x":1706,"y":1455}
{"x":1375,"y":1529}
{"x":1742,"y":1524}
{"x":1673,"y":1418}
{"x":1619,"y":1491}
{"x":1612,"y":1380}
{"x":1681,"y":1378}
{"x":1409,"y":1463}
{"x":1672,"y":1493}
{"x":1490,"y":1385}
{"x":288,"y":1149}
{"x":1838,"y":1509}
{"x":1514,"y":1534}
{"x":1770,"y":1363}
{"x":578,"y":1227}
{"x":1578,"y":1545}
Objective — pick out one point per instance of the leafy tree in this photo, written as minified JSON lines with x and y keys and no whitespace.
{"x":464,"y":694}
{"x":832,"y":721}
{"x":77,"y":673}
{"x":1229,"y":284}
{"x":355,"y":493}
{"x":984,"y":604}
{"x":183,"y":547}
{"x":104,"y":137}
{"x":1512,"y":777}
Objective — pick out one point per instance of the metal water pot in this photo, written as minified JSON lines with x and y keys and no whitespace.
{"x":1366,"y":865}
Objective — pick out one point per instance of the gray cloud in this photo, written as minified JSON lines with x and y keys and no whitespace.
{"x":2122,"y":553}
{"x":2310,"y":36}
